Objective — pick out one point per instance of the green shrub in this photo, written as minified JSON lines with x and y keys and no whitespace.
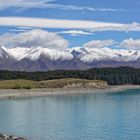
{"x":26,"y":87}
{"x":17,"y":86}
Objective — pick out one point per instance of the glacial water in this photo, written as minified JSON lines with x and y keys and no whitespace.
{"x":108,"y":116}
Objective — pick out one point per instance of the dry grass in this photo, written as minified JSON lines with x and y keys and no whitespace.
{"x":16,"y":84}
{"x":59,"y":83}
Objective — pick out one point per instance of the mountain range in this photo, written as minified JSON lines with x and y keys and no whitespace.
{"x":44,"y":59}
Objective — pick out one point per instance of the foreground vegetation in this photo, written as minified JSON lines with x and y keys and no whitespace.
{"x":113,"y":76}
{"x":60,"y":83}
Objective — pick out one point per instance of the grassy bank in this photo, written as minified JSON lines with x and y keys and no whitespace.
{"x":60,"y":83}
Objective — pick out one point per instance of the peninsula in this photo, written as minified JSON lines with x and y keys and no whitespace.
{"x":26,"y":88}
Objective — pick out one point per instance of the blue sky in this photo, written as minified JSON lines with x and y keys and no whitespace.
{"x":123,"y":13}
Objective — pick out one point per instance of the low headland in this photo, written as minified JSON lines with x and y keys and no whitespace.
{"x":66,"y":86}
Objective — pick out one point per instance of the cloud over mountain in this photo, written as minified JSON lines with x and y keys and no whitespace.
{"x":42,"y":38}
{"x":130,"y":44}
{"x":34,"y":38}
{"x":99,"y":43}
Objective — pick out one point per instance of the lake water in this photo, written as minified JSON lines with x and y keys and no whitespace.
{"x":112,"y":116}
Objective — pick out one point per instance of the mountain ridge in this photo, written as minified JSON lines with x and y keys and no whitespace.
{"x":44,"y":59}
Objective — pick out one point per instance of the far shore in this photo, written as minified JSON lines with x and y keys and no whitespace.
{"x":25,"y":93}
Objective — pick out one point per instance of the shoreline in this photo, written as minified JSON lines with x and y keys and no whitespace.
{"x":25,"y":93}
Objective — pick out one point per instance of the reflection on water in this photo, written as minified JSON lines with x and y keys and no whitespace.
{"x":112,"y":116}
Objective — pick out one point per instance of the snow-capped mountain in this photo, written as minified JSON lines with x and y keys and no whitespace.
{"x":43,"y":59}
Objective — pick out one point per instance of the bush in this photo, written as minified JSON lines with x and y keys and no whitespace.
{"x":17,"y":86}
{"x":26,"y":87}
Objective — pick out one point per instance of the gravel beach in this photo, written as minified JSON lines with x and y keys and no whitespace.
{"x":24,"y":93}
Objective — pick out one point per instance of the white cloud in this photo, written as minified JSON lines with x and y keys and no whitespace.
{"x":75,"y":32}
{"x":27,"y":4}
{"x":56,"y":23}
{"x":131,"y":43}
{"x":82,"y":8}
{"x":99,"y":43}
{"x":34,"y":38}
{"x":42,"y":38}
{"x":127,"y":44}
{"x":124,"y":27}
{"x":92,"y":26}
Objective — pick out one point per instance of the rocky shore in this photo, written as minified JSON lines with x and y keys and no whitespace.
{"x":10,"y":137}
{"x":24,"y":93}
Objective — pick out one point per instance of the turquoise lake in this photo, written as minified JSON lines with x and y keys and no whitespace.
{"x":108,"y":116}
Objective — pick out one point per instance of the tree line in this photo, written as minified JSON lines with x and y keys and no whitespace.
{"x":113,"y":76}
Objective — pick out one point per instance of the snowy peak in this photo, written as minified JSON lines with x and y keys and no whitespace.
{"x":86,"y":55}
{"x":19,"y":53}
{"x":105,"y":54}
{"x":35,"y":53}
{"x":43,"y":59}
{"x":5,"y":53}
